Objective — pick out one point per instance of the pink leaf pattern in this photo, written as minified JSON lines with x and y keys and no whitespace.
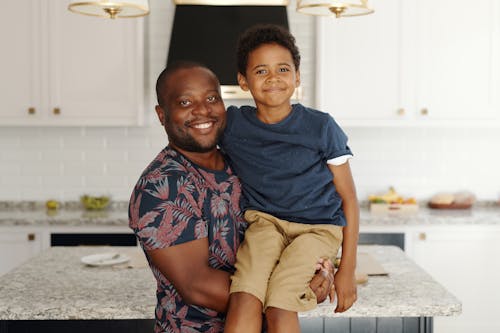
{"x":175,"y":202}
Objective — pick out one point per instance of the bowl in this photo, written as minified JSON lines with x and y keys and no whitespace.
{"x":95,"y":202}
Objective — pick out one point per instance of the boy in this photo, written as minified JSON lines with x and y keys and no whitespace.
{"x":299,"y":196}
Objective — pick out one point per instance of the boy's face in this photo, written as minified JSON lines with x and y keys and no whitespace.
{"x":271,"y":76}
{"x":195,"y":115}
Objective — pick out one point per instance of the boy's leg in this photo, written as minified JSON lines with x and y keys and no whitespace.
{"x":255,"y":260}
{"x":289,"y":283}
{"x":281,"y":321}
{"x":244,"y":314}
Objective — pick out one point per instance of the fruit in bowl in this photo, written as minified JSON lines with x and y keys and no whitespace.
{"x":95,"y":203}
{"x":391,"y":197}
{"x":392,"y":202}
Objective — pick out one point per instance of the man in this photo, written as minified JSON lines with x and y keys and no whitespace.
{"x":185,"y":207}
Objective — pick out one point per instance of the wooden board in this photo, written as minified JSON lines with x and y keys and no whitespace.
{"x":450,"y":206}
{"x":369,"y":265}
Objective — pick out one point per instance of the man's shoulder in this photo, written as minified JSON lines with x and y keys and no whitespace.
{"x":168,"y":163}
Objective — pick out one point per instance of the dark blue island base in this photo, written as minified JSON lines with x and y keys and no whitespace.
{"x":308,"y":325}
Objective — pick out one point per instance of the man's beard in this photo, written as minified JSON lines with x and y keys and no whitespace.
{"x":186,"y":142}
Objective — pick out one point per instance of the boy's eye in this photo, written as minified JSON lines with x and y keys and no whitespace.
{"x":261,"y":71}
{"x":284,"y":69}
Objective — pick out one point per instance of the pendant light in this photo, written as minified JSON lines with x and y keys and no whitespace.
{"x":339,"y":8}
{"x":110,"y":9}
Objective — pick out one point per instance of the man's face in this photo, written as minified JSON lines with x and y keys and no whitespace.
{"x":271,"y":76}
{"x":194,"y":115}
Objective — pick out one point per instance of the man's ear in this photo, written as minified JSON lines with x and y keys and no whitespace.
{"x":242,"y":81}
{"x":161,"y":114}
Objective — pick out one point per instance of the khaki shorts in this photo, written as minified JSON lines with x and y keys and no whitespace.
{"x":277,"y":260}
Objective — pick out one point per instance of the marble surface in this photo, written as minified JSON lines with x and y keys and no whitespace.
{"x":35,"y":214}
{"x":56,"y":285}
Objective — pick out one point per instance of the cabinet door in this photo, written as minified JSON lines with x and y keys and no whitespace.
{"x":95,"y":68}
{"x":361,"y":66}
{"x":20,"y":61}
{"x":458,"y":59}
{"x":16,"y":247}
{"x":465,"y":261}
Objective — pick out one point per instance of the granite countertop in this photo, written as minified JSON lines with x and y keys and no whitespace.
{"x":34,"y":214}
{"x":56,"y":286}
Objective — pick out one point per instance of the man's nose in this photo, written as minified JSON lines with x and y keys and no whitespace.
{"x":202,"y":109}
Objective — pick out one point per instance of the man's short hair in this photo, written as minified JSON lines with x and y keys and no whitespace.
{"x":260,"y":34}
{"x":161,"y":82}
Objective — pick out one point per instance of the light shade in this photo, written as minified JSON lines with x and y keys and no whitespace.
{"x":232,"y":2}
{"x":339,"y":8}
{"x":110,"y":9}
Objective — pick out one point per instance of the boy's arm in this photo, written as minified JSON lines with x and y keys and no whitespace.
{"x":345,"y":280}
{"x":186,"y":266}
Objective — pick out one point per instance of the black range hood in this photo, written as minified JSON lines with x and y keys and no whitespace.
{"x":208,"y":34}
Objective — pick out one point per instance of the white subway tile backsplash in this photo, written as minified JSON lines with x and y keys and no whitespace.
{"x":24,"y":155}
{"x":104,"y":155}
{"x":87,"y":168}
{"x":84,"y":142}
{"x":103,"y":183}
{"x":41,"y":169}
{"x":10,"y":169}
{"x":21,"y":183}
{"x":50,"y":155}
{"x":63,"y":182}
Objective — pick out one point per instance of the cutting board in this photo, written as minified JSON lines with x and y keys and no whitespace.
{"x":367,"y":266}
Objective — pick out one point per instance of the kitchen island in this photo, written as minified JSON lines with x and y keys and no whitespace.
{"x":56,"y":292}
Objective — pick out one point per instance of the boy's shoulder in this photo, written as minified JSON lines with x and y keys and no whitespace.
{"x":309,"y":112}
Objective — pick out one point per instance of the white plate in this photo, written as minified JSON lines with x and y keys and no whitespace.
{"x":105,"y":259}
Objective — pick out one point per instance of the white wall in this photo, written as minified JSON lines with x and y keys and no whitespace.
{"x":63,"y":163}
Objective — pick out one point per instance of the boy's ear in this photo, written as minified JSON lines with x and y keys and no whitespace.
{"x":297,"y":78}
{"x":161,"y":114}
{"x":242,"y":81}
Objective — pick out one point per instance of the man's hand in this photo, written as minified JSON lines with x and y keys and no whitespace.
{"x":322,"y":282}
{"x":346,"y":289}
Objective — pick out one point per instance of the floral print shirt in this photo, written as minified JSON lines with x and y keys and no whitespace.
{"x":174,"y":202}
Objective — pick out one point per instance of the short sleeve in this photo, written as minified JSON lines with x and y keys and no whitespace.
{"x":166,"y":212}
{"x":334,"y":140}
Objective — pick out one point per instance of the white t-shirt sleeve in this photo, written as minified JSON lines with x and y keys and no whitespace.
{"x":339,"y":160}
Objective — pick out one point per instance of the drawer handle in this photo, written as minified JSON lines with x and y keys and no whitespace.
{"x":56,"y":111}
{"x":422,"y":236}
{"x":31,"y":237}
{"x":31,"y":110}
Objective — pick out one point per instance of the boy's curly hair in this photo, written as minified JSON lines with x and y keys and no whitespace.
{"x":260,"y":34}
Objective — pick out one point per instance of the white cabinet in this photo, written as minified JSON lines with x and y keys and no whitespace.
{"x":64,"y":69}
{"x":415,"y":62}
{"x":465,"y":261}
{"x":18,"y":246}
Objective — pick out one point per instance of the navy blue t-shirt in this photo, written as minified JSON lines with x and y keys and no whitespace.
{"x":283,"y":166}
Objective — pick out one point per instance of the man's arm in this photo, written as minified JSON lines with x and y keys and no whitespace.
{"x":186,"y":267}
{"x":345,"y":280}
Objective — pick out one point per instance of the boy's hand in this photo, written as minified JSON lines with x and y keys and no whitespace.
{"x":322,"y":282}
{"x":346,"y":289}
